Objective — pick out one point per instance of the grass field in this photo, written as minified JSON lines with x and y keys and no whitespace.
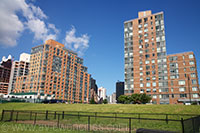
{"x":120,"y":108}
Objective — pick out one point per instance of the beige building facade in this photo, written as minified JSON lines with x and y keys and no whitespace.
{"x":57,"y":71}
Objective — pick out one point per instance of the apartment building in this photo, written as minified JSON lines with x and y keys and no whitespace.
{"x":5,"y":69}
{"x":183,"y":84}
{"x":19,"y":68}
{"x":57,"y":71}
{"x":146,"y":61}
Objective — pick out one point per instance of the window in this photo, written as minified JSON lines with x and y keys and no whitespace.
{"x":154,"y":84}
{"x":181,"y":82}
{"x":147,"y":56}
{"x":173,"y":58}
{"x":146,"y":40}
{"x":192,"y":68}
{"x":147,"y":78}
{"x":145,"y":19}
{"x":141,"y":73}
{"x":194,"y":88}
{"x":193,"y":75}
{"x":191,"y":56}
{"x":154,"y":96}
{"x":153,"y":61}
{"x":140,"y":26}
{"x":194,"y":82}
{"x":172,"y":89}
{"x":147,"y":67}
{"x":153,"y":78}
{"x":154,"y":90}
{"x":195,"y":95}
{"x":147,"y":62}
{"x":160,"y":84}
{"x":141,"y":90}
{"x":148,"y":73}
{"x":148,"y":84}
{"x":141,"y":85}
{"x":182,"y":89}
{"x":145,"y":35}
{"x":145,"y":30}
{"x":191,"y":63}
{"x":141,"y":68}
{"x":153,"y":72}
{"x":158,"y":50}
{"x":141,"y":79}
{"x":146,"y":45}
{"x":148,"y":90}
{"x":183,"y":95}
{"x":140,"y":21}
{"x":172,"y":83}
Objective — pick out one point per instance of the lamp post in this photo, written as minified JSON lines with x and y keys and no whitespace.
{"x":189,"y":89}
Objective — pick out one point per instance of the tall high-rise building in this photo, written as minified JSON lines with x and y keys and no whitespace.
{"x":5,"y":69}
{"x":19,"y":68}
{"x":119,"y":89}
{"x":146,"y":61}
{"x":57,"y":71}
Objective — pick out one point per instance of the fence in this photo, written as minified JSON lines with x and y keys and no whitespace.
{"x":105,"y":121}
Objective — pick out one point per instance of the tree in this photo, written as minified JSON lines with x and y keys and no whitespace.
{"x":123,"y":99}
{"x":105,"y":101}
{"x":134,"y":99}
{"x":140,"y":98}
{"x":92,"y":101}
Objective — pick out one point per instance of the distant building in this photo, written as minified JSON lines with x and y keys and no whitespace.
{"x":56,"y":71}
{"x":102,"y":93}
{"x":119,"y":89}
{"x":93,"y":95}
{"x":19,"y":68}
{"x":112,"y":98}
{"x":5,"y":69}
{"x":94,"y":85}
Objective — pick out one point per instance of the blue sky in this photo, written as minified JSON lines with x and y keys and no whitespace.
{"x":96,"y":26}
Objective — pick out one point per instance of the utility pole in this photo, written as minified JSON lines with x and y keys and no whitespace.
{"x":189,"y":89}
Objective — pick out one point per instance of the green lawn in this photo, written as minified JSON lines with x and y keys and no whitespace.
{"x":100,"y":123}
{"x":123,"y":108}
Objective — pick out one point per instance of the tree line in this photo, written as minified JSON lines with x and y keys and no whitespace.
{"x":134,"y":99}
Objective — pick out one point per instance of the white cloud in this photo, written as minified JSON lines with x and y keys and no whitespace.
{"x":52,"y":26}
{"x":11,"y":26}
{"x":38,"y":27}
{"x":77,"y":44}
{"x":19,"y":15}
{"x":38,"y":12}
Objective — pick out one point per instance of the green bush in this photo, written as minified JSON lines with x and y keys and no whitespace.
{"x":134,"y":99}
